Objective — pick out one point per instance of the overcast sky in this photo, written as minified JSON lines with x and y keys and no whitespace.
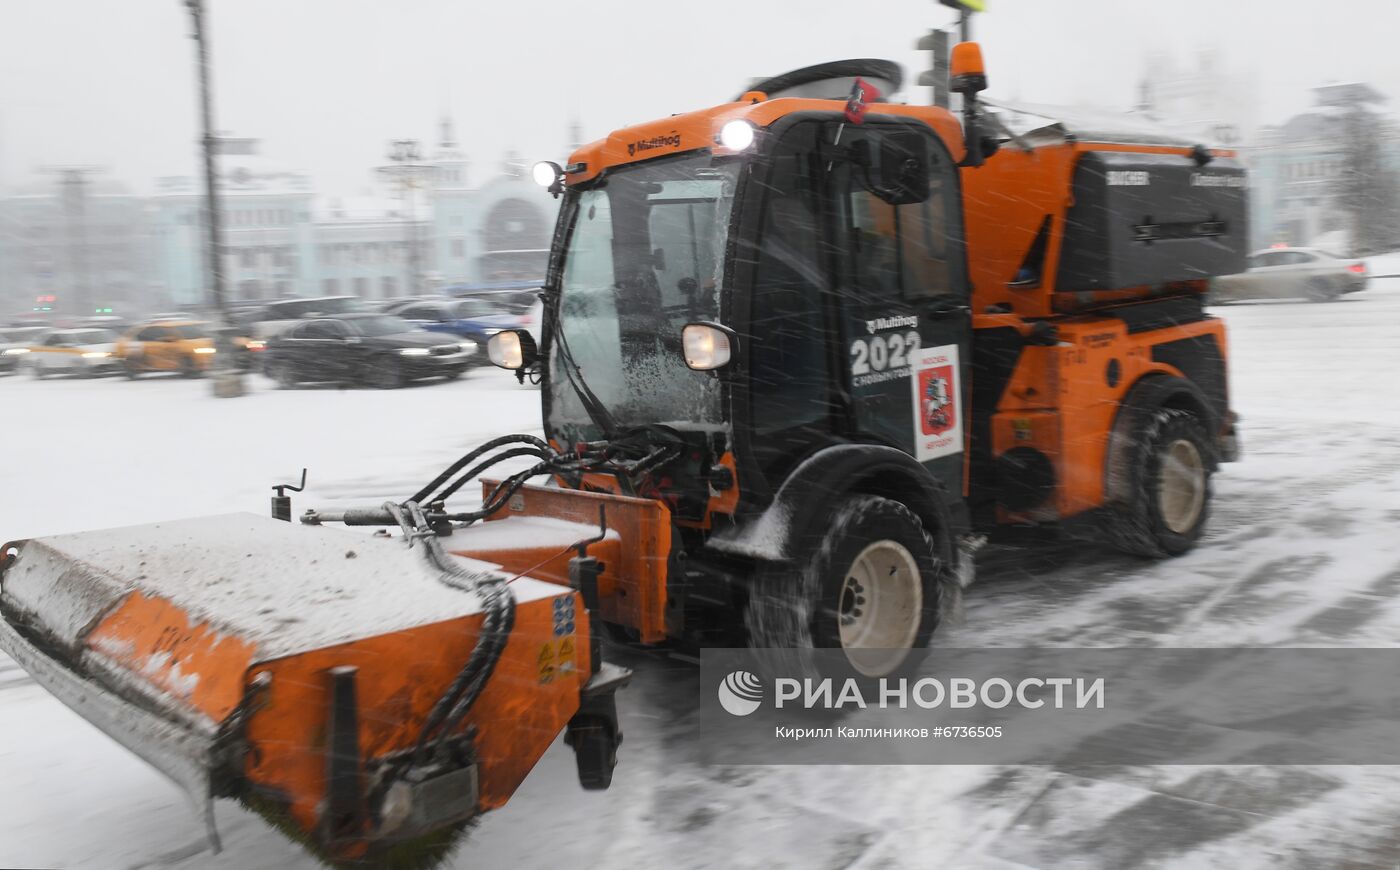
{"x":324,"y":83}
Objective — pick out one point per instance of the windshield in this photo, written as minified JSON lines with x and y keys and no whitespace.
{"x":383,"y":324}
{"x":192,"y":330}
{"x":645,"y":256}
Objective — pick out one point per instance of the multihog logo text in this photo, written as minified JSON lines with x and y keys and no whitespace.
{"x":741,"y":693}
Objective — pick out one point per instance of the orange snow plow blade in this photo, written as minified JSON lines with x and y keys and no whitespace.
{"x":297,"y":669}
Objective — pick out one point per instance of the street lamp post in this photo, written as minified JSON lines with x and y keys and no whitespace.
{"x":228,"y":383}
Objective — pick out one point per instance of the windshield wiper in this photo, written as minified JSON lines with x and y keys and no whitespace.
{"x":597,"y":411}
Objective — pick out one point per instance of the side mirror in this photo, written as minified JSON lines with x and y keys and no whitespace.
{"x":512,"y":349}
{"x":707,"y":346}
{"x":903,"y":169}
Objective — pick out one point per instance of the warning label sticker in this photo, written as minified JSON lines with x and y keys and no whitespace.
{"x":938,"y":425}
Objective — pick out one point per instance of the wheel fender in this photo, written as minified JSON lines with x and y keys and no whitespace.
{"x":1150,"y":393}
{"x":809,"y":492}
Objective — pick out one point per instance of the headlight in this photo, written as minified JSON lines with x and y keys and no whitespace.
{"x":506,"y":351}
{"x":546,"y":173}
{"x":706,"y":345}
{"x":413,"y":351}
{"x":96,"y":354}
{"x":468,"y":346}
{"x":16,"y":351}
{"x":256,"y":345}
{"x":204,"y":350}
{"x":736,"y":135}
{"x":490,"y":332}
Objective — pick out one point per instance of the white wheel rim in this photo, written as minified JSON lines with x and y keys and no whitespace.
{"x":880,"y":607}
{"x":1181,"y":490}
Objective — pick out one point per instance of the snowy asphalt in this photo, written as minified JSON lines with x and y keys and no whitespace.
{"x":1302,"y":550}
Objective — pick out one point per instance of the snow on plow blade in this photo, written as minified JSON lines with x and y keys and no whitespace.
{"x":298,"y":669}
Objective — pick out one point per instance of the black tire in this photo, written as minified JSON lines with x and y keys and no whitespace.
{"x":1322,"y":291}
{"x":132,"y":369}
{"x":793,"y":611}
{"x":283,"y":375}
{"x":37,"y":371}
{"x":1152,"y":523}
{"x":595,"y":750}
{"x":188,"y":368}
{"x":384,"y":374}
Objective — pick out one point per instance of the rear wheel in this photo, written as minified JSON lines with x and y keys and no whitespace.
{"x":1169,"y":499}
{"x":189,"y":368}
{"x":871,"y":586}
{"x":37,"y":370}
{"x":1322,"y":291}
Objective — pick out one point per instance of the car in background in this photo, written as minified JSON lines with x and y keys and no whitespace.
{"x":15,"y":343}
{"x":1291,"y":273}
{"x":183,"y":346}
{"x":272,"y":318}
{"x":376,"y":350}
{"x":472,"y":319}
{"x":86,"y":351}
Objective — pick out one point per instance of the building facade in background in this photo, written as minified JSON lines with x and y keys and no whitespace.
{"x":1326,"y":177}
{"x":418,"y":228}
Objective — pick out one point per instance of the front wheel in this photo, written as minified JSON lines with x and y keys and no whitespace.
{"x":1169,"y":495}
{"x":189,"y":368}
{"x":283,"y":375}
{"x":385,"y":374}
{"x":872,"y":586}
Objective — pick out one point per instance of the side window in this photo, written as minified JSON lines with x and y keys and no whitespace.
{"x":897,"y":251}
{"x":322,"y":329}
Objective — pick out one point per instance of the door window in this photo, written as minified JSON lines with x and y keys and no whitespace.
{"x":788,"y":352}
{"x":323,"y":329}
{"x":896,"y":252}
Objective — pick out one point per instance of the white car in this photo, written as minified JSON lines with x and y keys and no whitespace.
{"x":88,"y":352}
{"x":14,"y":345}
{"x":1291,"y":273}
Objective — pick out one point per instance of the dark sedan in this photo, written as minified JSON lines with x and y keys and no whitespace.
{"x":376,"y":350}
{"x":472,"y":319}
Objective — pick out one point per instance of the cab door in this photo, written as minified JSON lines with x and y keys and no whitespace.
{"x":904,"y":319}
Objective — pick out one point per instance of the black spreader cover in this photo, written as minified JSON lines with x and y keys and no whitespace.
{"x":1143,"y":219}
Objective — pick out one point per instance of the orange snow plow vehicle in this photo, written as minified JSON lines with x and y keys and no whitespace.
{"x":801,"y":353}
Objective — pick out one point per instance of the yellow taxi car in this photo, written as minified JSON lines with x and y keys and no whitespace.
{"x":183,"y":346}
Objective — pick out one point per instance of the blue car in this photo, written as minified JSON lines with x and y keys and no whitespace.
{"x":475,"y":319}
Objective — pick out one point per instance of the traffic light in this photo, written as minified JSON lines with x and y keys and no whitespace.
{"x":936,"y":76}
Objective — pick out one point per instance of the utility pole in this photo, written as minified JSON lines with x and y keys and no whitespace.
{"x":228,"y":382}
{"x":405,"y":169}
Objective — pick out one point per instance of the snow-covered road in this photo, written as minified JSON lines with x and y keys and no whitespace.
{"x":1302,"y":550}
